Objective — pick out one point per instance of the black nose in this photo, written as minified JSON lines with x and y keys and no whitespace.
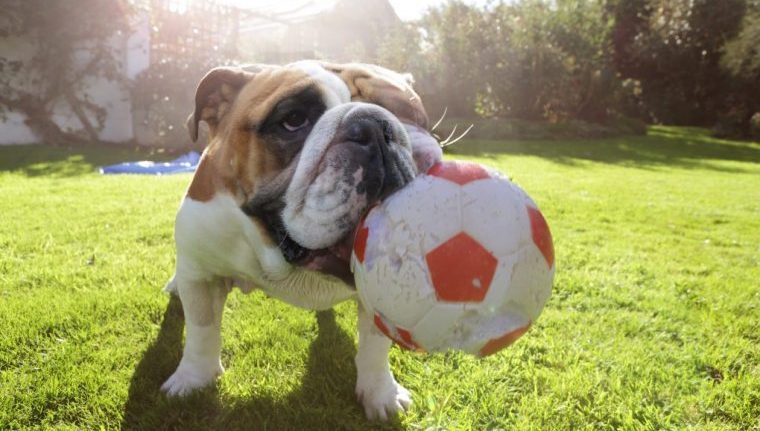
{"x":367,"y":130}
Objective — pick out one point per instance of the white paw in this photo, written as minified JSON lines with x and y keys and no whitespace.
{"x":381,"y":395}
{"x":188,"y":378}
{"x":171,"y":286}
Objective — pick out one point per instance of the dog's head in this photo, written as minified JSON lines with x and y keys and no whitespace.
{"x":306,"y":148}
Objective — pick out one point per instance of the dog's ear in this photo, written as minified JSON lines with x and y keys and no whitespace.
{"x":215,"y":94}
{"x":393,"y":91}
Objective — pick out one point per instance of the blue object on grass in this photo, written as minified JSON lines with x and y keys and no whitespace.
{"x":184,"y":163}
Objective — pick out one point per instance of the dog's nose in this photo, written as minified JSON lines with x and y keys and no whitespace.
{"x":368,"y":130}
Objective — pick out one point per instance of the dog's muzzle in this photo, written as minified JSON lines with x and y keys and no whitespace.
{"x":355,"y":155}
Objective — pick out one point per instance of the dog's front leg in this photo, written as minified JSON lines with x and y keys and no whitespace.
{"x":376,"y":388}
{"x":203,"y":304}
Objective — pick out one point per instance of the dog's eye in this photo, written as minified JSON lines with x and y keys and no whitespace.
{"x":295,"y":120}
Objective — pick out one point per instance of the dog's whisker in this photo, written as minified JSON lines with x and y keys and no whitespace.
{"x":438,"y":123}
{"x":458,"y":138}
{"x":282,"y":241}
{"x":446,"y":141}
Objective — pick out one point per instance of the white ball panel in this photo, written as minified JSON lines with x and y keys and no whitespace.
{"x":531,"y":282}
{"x":430,"y":207}
{"x":500,"y":285}
{"x":434,"y":331}
{"x":394,"y":277}
{"x":522,"y":195}
{"x":494,"y":215}
{"x":483,"y":328}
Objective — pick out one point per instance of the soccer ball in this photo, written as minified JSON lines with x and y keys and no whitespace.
{"x":459,"y":259}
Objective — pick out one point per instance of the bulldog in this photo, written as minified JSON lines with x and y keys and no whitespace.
{"x":296,"y":155}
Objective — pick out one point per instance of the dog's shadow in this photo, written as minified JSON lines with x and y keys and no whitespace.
{"x":325,"y":399}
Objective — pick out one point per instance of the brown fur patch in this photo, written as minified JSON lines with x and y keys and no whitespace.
{"x":237,"y":159}
{"x":202,"y":188}
{"x":373,"y":84}
{"x":243,"y":150}
{"x":217,"y":86}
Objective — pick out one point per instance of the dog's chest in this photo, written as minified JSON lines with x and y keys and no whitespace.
{"x":216,"y":238}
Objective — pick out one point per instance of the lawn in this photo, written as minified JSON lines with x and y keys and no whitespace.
{"x":654,"y":321}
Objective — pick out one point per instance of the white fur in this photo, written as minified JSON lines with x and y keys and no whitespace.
{"x":218,"y":246}
{"x":337,"y":91}
{"x":239,"y":252}
{"x":426,"y":149}
{"x":216,"y":243}
{"x":311,"y":229}
{"x":203,"y":304}
{"x":314,"y":226}
{"x":381,"y":395}
{"x":216,"y":238}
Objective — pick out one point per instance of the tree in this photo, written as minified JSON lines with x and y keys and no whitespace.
{"x":532,"y":59}
{"x":671,"y":61}
{"x":741,"y":60}
{"x":550,"y":60}
{"x":673,"y":47}
{"x":741,"y":56}
{"x":185,"y":45}
{"x":456,"y":42}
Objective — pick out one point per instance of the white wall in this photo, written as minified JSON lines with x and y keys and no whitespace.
{"x":14,"y":131}
{"x":12,"y":127}
{"x":138,"y":46}
{"x":133,"y":52}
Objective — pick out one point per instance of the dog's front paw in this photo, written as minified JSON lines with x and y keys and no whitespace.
{"x":171,"y":286}
{"x":381,"y":395}
{"x":189,"y":377}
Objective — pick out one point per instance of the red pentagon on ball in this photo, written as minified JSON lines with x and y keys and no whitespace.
{"x":496,"y":344}
{"x":542,"y":237}
{"x":404,"y":338}
{"x":382,"y":326}
{"x":360,"y":242}
{"x":408,"y":341}
{"x":461,"y":269}
{"x":458,"y":171}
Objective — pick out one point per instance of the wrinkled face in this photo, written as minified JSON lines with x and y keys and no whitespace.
{"x":307,"y":148}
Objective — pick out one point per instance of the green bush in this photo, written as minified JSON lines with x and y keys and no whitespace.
{"x":675,"y":62}
{"x":733,"y":124}
{"x":628,"y":125}
{"x":754,"y":126}
{"x":531,"y":59}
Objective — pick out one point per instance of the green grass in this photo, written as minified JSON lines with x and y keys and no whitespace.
{"x":654,"y":321}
